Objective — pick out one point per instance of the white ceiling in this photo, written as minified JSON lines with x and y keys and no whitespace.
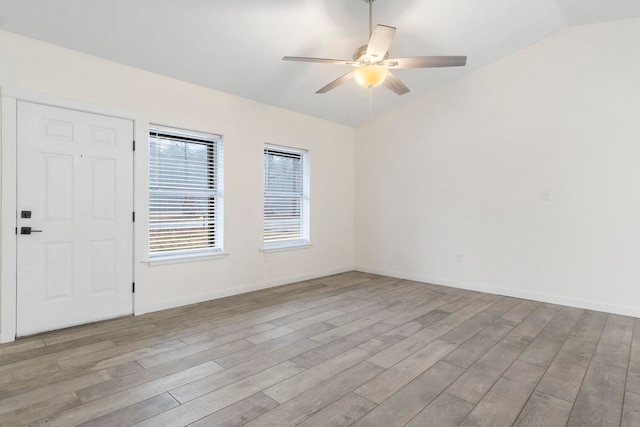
{"x":236,"y":46}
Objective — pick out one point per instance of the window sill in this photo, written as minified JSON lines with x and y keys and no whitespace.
{"x":177,"y":259}
{"x":285,"y":248}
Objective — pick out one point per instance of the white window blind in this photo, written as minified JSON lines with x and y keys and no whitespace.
{"x":184,"y":192}
{"x":285,"y":197}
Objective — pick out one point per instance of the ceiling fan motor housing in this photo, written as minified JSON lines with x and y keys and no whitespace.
{"x":360,"y":55}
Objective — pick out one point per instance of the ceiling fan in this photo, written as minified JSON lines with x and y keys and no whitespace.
{"x":372,"y":62}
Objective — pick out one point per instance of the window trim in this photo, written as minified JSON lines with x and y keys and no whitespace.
{"x":285,"y":248}
{"x":214,"y":252}
{"x":304,"y":242}
{"x":178,"y":259}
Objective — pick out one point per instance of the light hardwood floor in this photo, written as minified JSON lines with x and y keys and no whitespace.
{"x":352,"y":348}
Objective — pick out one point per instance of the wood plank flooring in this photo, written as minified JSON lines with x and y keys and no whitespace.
{"x":349,"y":349}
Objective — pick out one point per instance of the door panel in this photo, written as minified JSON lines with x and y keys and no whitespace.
{"x":103,"y":263}
{"x":104,"y":189}
{"x":58,"y":183}
{"x":57,"y":271}
{"x":75,"y":176}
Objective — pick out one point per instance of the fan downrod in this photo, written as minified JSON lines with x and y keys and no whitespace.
{"x":370,"y":3}
{"x":360,"y":53}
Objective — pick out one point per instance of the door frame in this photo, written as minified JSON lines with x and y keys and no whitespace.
{"x":8,"y":203}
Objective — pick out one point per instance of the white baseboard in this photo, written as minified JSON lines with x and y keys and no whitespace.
{"x":516,"y":293}
{"x":242,"y":289}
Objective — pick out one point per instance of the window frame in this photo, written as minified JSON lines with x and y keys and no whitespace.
{"x":215,"y":174}
{"x":304,"y":240}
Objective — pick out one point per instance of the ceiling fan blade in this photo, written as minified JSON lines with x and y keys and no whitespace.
{"x":395,"y":84}
{"x":380,"y":41}
{"x":321,"y":60}
{"x":426,"y":62}
{"x":337,"y":82}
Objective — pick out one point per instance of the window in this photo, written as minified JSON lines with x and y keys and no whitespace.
{"x":286,"y":197}
{"x":185,"y":203}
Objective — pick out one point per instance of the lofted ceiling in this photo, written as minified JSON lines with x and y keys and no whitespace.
{"x":236,"y":46}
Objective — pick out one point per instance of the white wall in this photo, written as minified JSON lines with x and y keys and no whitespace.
{"x":461,"y":171}
{"x":245,"y":126}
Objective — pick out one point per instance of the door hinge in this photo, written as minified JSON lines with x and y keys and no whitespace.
{"x":16,"y":230}
{"x":133,"y":216}
{"x":134,"y":145}
{"x":133,"y":287}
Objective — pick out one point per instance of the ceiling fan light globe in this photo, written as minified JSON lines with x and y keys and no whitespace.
{"x":370,"y":75}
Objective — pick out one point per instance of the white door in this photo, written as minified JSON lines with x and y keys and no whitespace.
{"x":75,"y":191}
